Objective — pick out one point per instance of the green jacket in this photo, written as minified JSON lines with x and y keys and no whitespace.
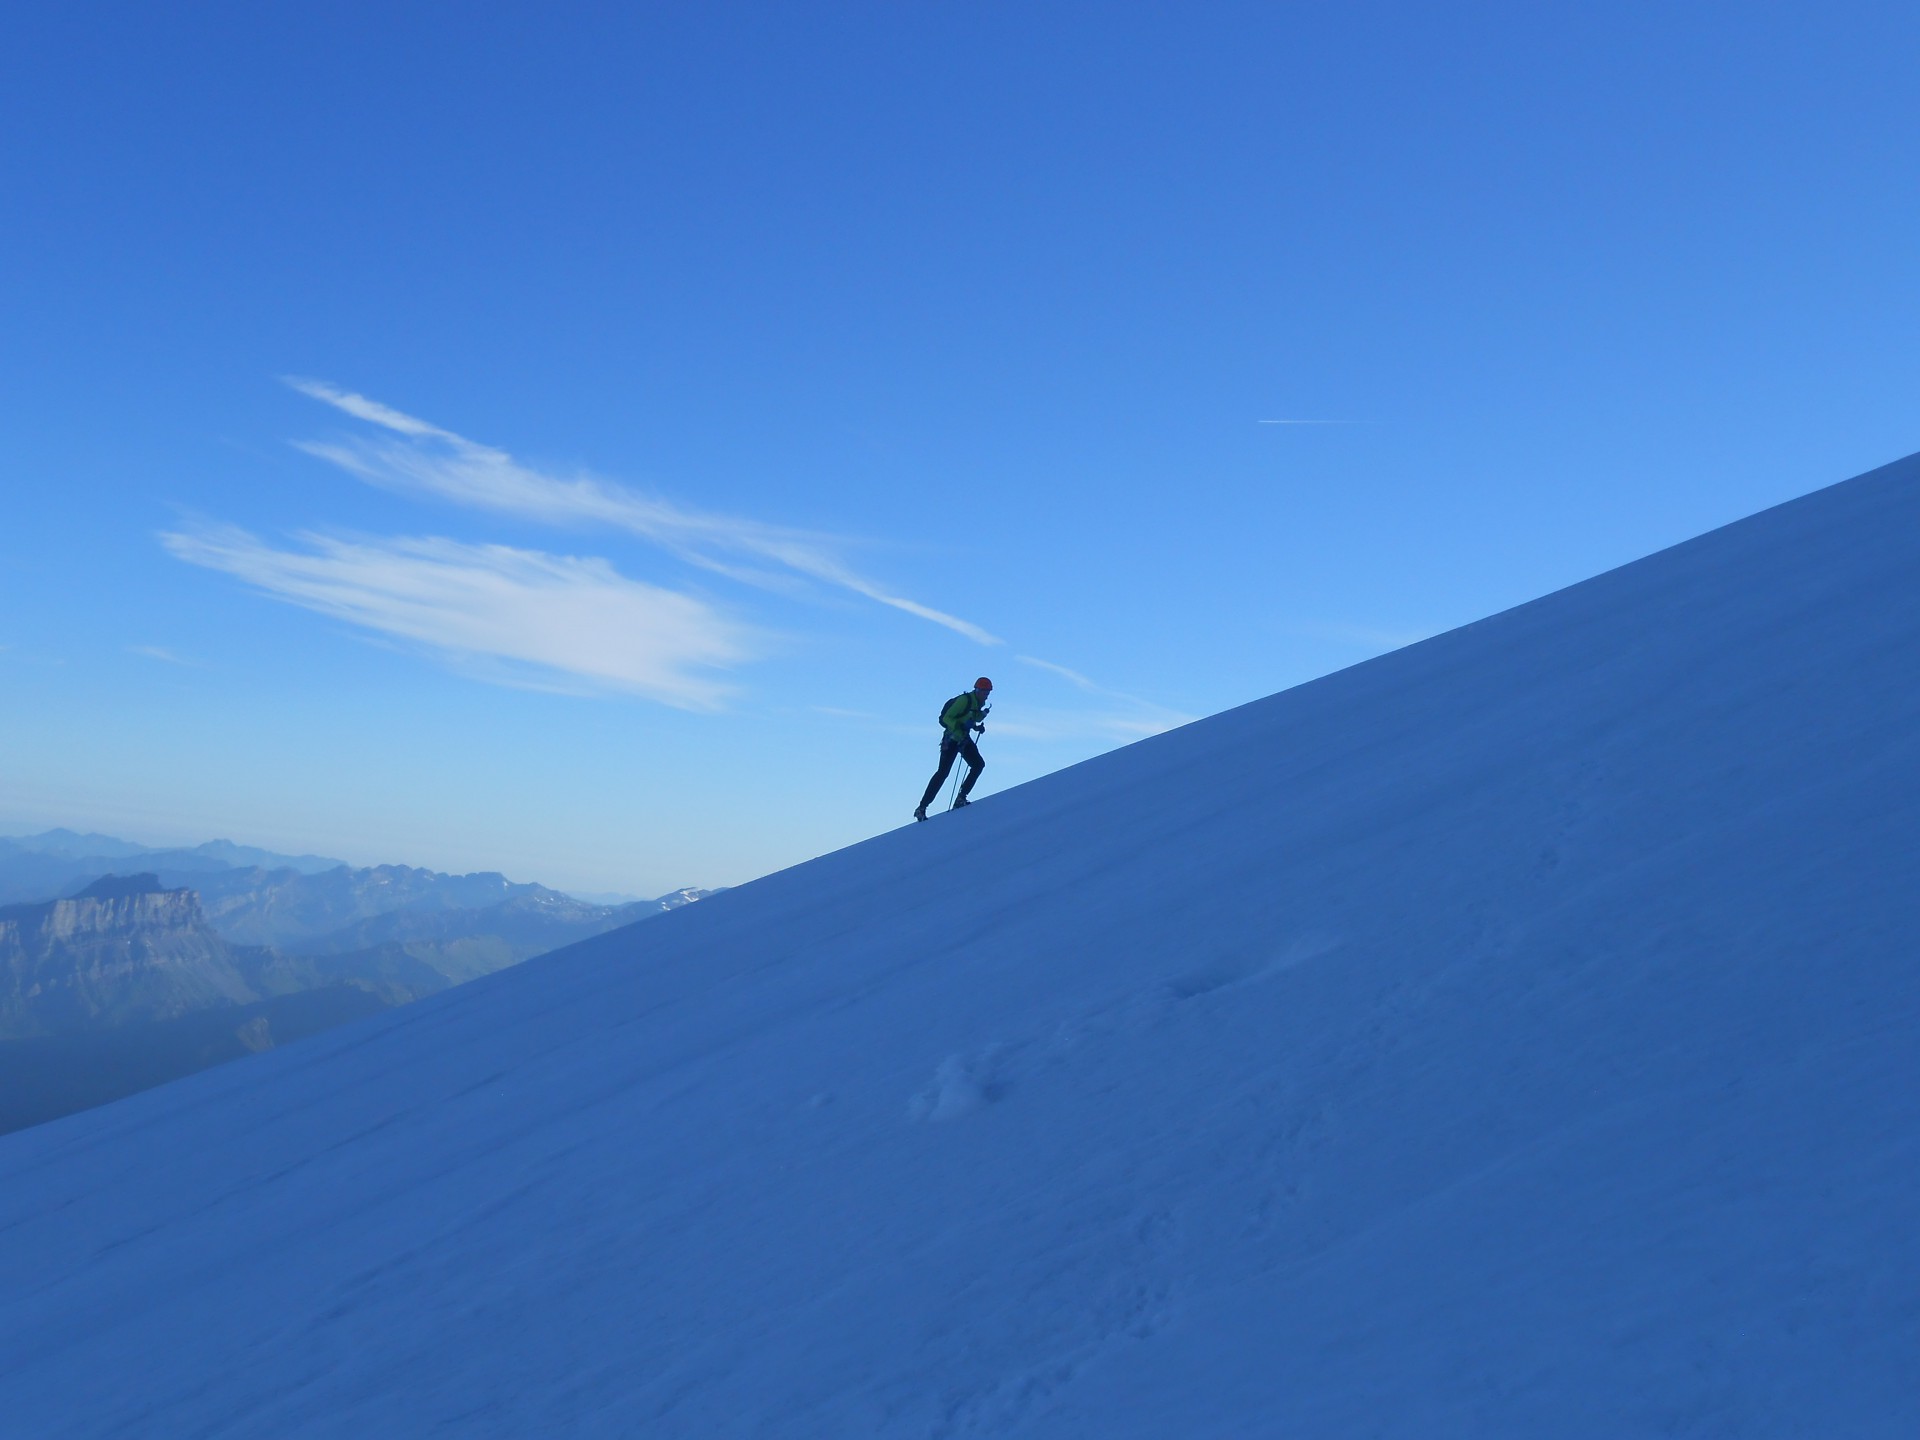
{"x":960,"y":714}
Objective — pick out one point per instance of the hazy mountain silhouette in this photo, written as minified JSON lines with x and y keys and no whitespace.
{"x":58,"y":862}
{"x":138,"y":979}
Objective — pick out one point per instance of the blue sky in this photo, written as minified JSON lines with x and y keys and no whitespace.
{"x":591,"y":441}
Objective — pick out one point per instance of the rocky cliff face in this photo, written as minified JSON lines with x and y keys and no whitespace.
{"x":458,"y":926}
{"x":123,"y":949}
{"x":134,"y":981}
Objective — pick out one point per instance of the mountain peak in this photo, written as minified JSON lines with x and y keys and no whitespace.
{"x":71,"y":844}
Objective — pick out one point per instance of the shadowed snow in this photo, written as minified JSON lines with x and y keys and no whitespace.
{"x":1514,"y":1035}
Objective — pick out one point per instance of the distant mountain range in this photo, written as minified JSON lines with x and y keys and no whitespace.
{"x":111,"y":981}
{"x":56,"y":862}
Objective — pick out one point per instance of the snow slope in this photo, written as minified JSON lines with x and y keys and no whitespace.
{"x":1516,"y":1035}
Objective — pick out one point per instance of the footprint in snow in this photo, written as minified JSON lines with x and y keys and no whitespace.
{"x":961,"y":1085}
{"x":1246,"y":970}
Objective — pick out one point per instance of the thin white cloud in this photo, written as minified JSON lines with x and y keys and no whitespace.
{"x":1306,"y":422}
{"x":361,"y":408}
{"x":1072,"y":677}
{"x":1135,"y":719}
{"x":418,"y":457}
{"x":435,"y":461}
{"x":522,"y":617}
{"x":158,"y":652}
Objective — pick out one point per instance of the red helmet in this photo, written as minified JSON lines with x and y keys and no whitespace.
{"x":983,"y":683}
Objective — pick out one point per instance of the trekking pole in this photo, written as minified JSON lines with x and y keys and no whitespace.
{"x":953,"y":790}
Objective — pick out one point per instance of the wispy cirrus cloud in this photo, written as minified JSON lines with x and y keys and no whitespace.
{"x":162,"y":654}
{"x":1133,"y":719}
{"x":423,"y":458}
{"x":538,"y":620}
{"x":561,"y":622}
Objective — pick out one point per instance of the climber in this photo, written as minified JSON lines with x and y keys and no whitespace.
{"x":961,"y":718}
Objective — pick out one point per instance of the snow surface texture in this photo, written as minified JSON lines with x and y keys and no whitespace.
{"x":1512,"y":1036}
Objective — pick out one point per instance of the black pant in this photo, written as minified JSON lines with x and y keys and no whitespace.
{"x":950,"y":747}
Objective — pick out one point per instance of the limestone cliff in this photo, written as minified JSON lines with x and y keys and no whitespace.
{"x":123,"y":949}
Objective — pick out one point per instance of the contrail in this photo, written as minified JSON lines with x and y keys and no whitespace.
{"x":1306,"y":422}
